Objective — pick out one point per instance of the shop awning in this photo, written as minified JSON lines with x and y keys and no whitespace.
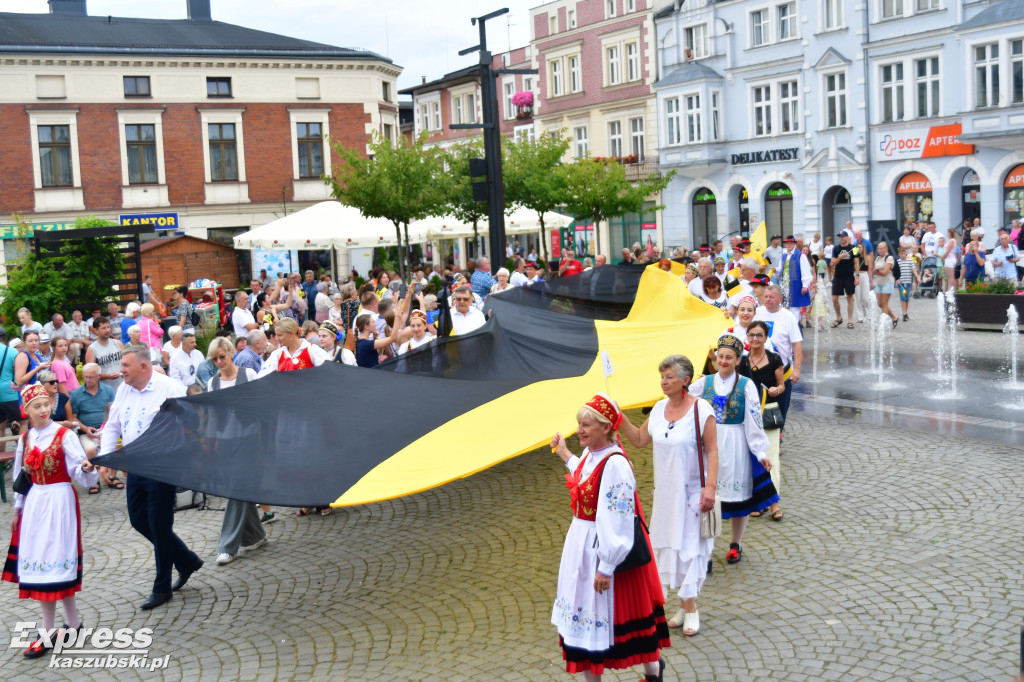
{"x":325,"y":225}
{"x":517,"y":221}
{"x":1011,"y":140}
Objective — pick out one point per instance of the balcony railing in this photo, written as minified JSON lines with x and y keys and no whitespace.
{"x":643,"y":168}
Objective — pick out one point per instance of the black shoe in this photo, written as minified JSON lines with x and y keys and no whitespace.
{"x":37,"y":648}
{"x":183,"y":576}
{"x":710,"y":566}
{"x":735,"y":554}
{"x":155,"y":600}
{"x":906,"y":318}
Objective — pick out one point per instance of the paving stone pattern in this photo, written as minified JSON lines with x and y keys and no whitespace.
{"x":898,"y":560}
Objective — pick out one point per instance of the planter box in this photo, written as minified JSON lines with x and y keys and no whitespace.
{"x":987,"y":311}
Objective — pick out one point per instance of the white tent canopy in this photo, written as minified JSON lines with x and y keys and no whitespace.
{"x":517,"y":221}
{"x":326,"y":225}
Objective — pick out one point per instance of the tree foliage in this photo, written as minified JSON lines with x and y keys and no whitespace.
{"x":598,"y":190}
{"x":47,"y":285}
{"x":532,"y":175}
{"x":398,"y":182}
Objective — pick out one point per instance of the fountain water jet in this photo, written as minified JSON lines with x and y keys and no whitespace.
{"x":1013,"y":331}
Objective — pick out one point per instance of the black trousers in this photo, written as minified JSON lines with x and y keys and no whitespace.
{"x":151,"y":512}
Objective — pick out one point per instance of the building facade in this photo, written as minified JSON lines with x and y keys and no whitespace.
{"x":596,"y":63}
{"x":216,"y":128}
{"x":806,"y":114}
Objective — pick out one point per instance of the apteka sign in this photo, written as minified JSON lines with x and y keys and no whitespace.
{"x":923,"y":143}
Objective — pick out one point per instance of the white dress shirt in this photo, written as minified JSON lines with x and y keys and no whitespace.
{"x":183,"y":367}
{"x":132,"y":410}
{"x":463,"y":324}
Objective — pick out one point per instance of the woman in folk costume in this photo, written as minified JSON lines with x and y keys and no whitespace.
{"x":605,"y":619}
{"x":744,"y":485}
{"x":796,"y":270}
{"x":45,"y":557}
{"x":295,"y":352}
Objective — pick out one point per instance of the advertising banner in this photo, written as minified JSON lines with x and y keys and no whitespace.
{"x":922,"y":143}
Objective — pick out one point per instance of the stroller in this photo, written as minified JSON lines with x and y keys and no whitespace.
{"x":929,"y":278}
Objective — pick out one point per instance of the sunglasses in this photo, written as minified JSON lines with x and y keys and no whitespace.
{"x":51,"y":383}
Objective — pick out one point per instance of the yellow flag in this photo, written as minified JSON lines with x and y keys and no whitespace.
{"x":759,"y":239}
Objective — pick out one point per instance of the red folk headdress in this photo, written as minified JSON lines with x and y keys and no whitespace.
{"x":606,"y":408}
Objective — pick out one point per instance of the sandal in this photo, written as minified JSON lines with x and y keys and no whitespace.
{"x":755,"y":515}
{"x":836,"y":323}
{"x":325,"y":511}
{"x":849,"y":325}
{"x":115,"y":483}
{"x":777,"y":515}
{"x":305,"y":511}
{"x":94,"y":490}
{"x":735,"y":554}
{"x":678,"y":619}
{"x":691,"y":623}
{"x":894,"y":322}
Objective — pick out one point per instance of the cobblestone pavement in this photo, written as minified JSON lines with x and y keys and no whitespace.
{"x":898,"y":560}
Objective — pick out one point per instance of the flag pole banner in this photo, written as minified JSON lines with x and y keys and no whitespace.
{"x":345,"y":435}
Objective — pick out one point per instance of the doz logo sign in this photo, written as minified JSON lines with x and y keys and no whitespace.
{"x":900,"y":146}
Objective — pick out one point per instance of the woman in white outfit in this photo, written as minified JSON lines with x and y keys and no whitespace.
{"x":679,"y":551}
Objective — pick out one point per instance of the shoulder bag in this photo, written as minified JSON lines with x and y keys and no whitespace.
{"x":640,"y":553}
{"x":710,"y":521}
{"x":23,"y":483}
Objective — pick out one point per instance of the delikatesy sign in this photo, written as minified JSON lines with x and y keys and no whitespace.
{"x":922,"y":143}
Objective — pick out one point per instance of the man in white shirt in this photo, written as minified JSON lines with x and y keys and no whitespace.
{"x":930,"y":241}
{"x":976,"y":231}
{"x":150,"y":503}
{"x":465,"y":318}
{"x":241,"y":318}
{"x":773,"y":254}
{"x":704,"y":269}
{"x":1004,"y":258}
{"x":184,"y":363}
{"x":79,"y":336}
{"x":785,"y":335}
{"x":518,"y":277}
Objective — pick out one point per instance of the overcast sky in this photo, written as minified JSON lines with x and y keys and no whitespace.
{"x":423,"y":37}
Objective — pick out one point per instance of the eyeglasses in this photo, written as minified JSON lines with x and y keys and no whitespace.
{"x":755,"y":335}
{"x":51,"y":383}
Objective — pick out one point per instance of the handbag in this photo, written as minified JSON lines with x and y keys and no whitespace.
{"x":23,"y":482}
{"x":640,"y":553}
{"x":710,"y":521}
{"x":772,"y":417}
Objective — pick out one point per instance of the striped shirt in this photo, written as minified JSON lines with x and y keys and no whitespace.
{"x":906,"y":271}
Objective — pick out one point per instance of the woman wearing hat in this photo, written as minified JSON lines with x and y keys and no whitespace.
{"x":605,"y":619}
{"x":45,"y":556}
{"x":744,"y":484}
{"x":330,"y":341}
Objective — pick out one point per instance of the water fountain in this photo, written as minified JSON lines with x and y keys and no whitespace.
{"x":1013,"y":332}
{"x":819,"y":316}
{"x":940,"y":337}
{"x":873,"y":353}
{"x":881,"y":330}
{"x":953,"y":338}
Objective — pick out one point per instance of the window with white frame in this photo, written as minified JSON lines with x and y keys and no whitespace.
{"x":309,"y":137}
{"x":614,"y":68}
{"x":527,"y":84}
{"x":787,"y":20}
{"x":632,"y":62}
{"x":575,"y":80}
{"x":835,"y":100}
{"x":557,"y":86}
{"x":762,"y":99}
{"x":716,"y":116}
{"x":435,"y":108}
{"x":140,"y":147}
{"x":832,"y":16}
{"x":55,"y":155}
{"x":572,"y":19}
{"x":693,"y":119}
{"x":424,"y":117}
{"x":986,"y":75}
{"x":457,"y":110}
{"x":552,"y":25}
{"x":636,"y":138}
{"x":1016,"y":71}
{"x":223,"y":152}
{"x":927,"y":82}
{"x":630,"y":5}
{"x":925,"y":5}
{"x":892,"y":93}
{"x":523,"y":133}
{"x":759,"y":27}
{"x":609,"y":9}
{"x":697,"y":40}
{"x":789,"y":107}
{"x":672,"y":122}
{"x":470,"y":107}
{"x":615,"y":139}
{"x":892,"y":9}
{"x":509,"y":89}
{"x":582,"y":147}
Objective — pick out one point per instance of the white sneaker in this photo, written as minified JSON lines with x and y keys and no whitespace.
{"x":225,"y":559}
{"x":259,"y":544}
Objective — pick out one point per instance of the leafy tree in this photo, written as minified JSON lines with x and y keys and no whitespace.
{"x":398,"y":182}
{"x":83,"y":271}
{"x":459,"y":194}
{"x":598,"y":190}
{"x":531,"y":178}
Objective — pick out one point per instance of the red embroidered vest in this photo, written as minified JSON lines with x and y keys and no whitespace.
{"x":46,"y":466}
{"x":300,"y":361}
{"x":584,"y":494}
